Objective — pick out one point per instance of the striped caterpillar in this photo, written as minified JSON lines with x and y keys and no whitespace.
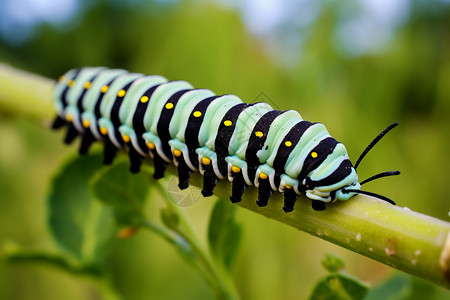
{"x":219,"y":136}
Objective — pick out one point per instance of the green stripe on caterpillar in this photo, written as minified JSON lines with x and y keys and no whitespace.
{"x":217,"y":135}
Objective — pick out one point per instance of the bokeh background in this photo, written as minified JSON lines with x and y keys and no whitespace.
{"x":355,"y":66}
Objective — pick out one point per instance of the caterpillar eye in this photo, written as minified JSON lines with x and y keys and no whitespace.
{"x":308,"y":183}
{"x":333,"y":195}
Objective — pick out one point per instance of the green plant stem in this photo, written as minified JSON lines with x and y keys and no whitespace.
{"x":107,"y":289}
{"x":171,"y":237}
{"x":224,"y":285}
{"x":15,"y":254}
{"x":403,"y":239}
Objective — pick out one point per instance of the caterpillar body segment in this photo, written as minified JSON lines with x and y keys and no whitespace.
{"x":217,"y":135}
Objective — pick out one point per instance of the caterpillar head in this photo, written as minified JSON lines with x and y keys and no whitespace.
{"x":335,"y":178}
{"x":332,"y":175}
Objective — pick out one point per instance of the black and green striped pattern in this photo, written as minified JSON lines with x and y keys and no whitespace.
{"x":219,"y":136}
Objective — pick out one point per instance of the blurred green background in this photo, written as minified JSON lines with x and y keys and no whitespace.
{"x":355,"y":66}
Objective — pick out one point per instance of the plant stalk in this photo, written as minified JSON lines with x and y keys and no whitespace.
{"x":224,"y":286}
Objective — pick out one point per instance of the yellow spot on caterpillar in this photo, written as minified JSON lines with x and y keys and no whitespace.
{"x":314,"y":154}
{"x":235,"y":169}
{"x":71,"y":83}
{"x":288,"y":143}
{"x":259,"y":134}
{"x":61,"y":78}
{"x":262,"y":175}
{"x":227,"y":123}
{"x":150,"y":145}
{"x":86,"y":123}
{"x":170,"y":106}
{"x":121,"y":93}
{"x":127,"y":232}
{"x":104,"y":89}
{"x":126,"y":138}
{"x":288,"y":186}
{"x":197,"y":114}
{"x":177,"y":153}
{"x":206,"y":161}
{"x":69,"y":118}
{"x":103,"y":130}
{"x":144,"y":99}
{"x":87,"y":85}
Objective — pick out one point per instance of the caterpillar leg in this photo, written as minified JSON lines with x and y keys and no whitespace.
{"x":290,"y":196}
{"x":318,"y":205}
{"x":86,"y":142}
{"x":135,"y":159}
{"x":184,"y":173}
{"x":160,"y":165}
{"x":238,"y":187}
{"x":209,"y":181}
{"x":71,"y":134}
{"x":264,"y":192}
{"x":58,"y":122}
{"x":109,"y":152}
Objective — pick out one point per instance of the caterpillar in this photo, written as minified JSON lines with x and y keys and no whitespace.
{"x":218,"y":135}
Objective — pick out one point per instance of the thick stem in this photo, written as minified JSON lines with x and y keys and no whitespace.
{"x":25,"y":94}
{"x":396,"y":236}
{"x":403,"y":239}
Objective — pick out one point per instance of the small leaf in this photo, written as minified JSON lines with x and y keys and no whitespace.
{"x":224,"y":233}
{"x":402,"y":287}
{"x":79,"y":223}
{"x":333,"y":263}
{"x":339,"y":287}
{"x":397,"y":287}
{"x":123,"y":191}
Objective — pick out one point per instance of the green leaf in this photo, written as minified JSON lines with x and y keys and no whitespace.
{"x":333,"y":263}
{"x":124,"y":192}
{"x":80,"y":224}
{"x":339,"y":287}
{"x":402,"y":287}
{"x":224,"y":233}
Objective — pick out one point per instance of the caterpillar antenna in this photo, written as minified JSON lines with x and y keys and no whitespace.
{"x":369,"y":194}
{"x":380,"y":175}
{"x":374,"y":142}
